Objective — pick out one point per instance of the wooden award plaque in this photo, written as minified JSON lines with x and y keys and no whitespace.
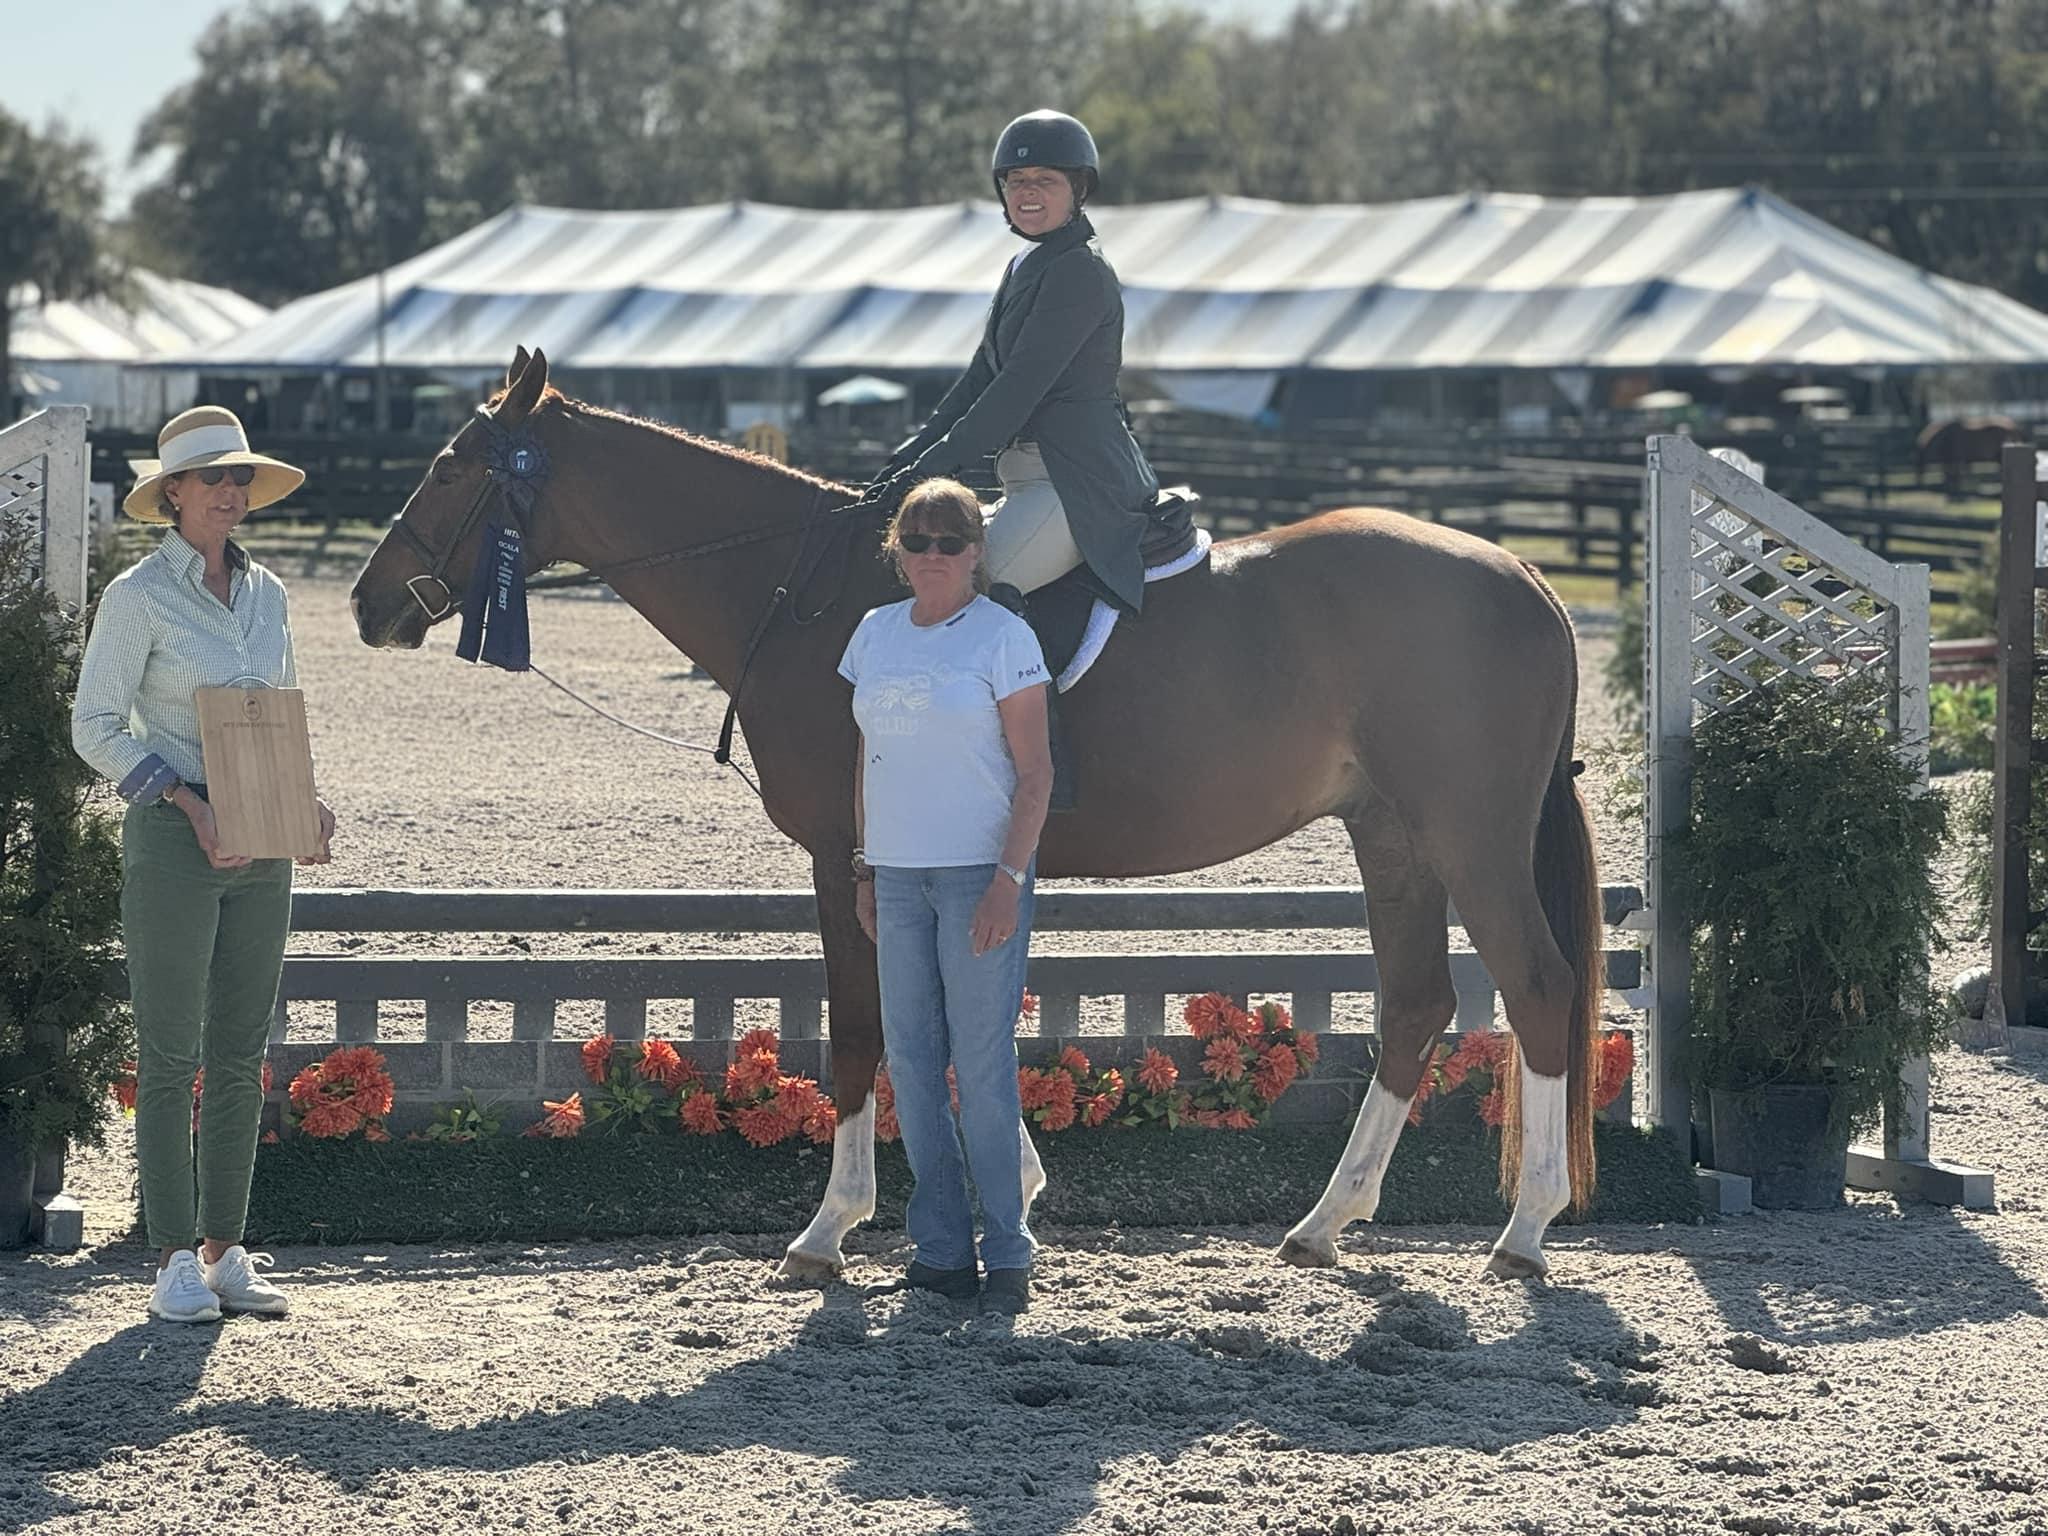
{"x":259,"y":771}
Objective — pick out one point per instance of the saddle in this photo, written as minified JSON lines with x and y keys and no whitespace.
{"x":1074,"y":616}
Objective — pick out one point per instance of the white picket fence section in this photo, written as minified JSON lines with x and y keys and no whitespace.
{"x":1834,"y":611}
{"x":44,"y":468}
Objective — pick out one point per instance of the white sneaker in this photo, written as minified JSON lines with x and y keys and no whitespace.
{"x":240,"y":1288}
{"x":181,"y":1294}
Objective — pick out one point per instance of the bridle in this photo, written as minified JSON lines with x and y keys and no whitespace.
{"x":516,"y":466}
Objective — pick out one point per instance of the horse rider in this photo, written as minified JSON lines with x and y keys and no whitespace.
{"x":1041,"y":391}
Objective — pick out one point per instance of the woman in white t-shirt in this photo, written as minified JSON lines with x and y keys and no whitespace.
{"x":950,"y":793}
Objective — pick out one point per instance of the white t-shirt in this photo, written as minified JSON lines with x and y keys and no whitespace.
{"x":938,"y":779}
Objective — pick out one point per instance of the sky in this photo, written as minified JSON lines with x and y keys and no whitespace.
{"x":100,"y":65}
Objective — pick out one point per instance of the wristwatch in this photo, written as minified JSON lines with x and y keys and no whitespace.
{"x":171,"y":789}
{"x":1015,"y":874}
{"x":862,"y":870}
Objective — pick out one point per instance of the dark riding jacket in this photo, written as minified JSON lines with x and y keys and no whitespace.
{"x":1046,"y":372}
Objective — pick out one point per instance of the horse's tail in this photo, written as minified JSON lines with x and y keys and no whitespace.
{"x":1568,"y":883}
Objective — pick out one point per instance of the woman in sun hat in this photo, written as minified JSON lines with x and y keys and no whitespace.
{"x":204,"y":931}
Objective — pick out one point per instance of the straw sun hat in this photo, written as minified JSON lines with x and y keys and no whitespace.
{"x":196,"y":439}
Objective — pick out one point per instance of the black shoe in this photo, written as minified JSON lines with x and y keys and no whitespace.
{"x":953,"y":1284}
{"x":1007,"y":1290}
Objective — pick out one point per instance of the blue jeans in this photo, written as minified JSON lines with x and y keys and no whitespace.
{"x":941,"y":1003}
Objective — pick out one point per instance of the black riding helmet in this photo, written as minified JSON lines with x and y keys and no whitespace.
{"x":1049,"y":138}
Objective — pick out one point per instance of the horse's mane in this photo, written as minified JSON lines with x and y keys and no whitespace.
{"x":711,"y":445}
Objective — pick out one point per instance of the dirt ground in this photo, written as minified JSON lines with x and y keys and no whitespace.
{"x":1878,"y":1369}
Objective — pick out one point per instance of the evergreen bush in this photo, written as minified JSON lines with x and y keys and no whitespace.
{"x":1807,"y":869}
{"x":63,"y":1033}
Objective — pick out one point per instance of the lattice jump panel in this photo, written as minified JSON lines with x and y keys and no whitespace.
{"x":1762,"y":608}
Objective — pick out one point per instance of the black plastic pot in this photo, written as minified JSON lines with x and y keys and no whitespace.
{"x":17,"y":1191}
{"x":1779,"y":1137}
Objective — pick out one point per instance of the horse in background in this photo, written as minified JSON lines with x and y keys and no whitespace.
{"x":1960,"y":442}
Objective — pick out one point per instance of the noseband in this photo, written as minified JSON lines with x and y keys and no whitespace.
{"x":515,"y":464}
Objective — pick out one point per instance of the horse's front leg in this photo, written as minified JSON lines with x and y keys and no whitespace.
{"x":854,"y":995}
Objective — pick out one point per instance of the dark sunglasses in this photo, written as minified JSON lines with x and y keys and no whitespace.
{"x":918,"y":543}
{"x":241,"y":474}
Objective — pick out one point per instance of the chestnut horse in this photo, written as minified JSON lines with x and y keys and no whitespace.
{"x":1416,"y":682}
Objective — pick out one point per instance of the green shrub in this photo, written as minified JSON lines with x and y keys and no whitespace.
{"x":1960,"y":717}
{"x":1808,"y":871}
{"x":62,"y":1034}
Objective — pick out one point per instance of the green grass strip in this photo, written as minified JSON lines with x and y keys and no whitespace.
{"x":630,"y":1186}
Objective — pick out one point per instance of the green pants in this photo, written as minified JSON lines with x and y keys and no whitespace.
{"x":205,"y":949}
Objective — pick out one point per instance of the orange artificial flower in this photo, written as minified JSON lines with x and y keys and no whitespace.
{"x":1275,"y":1016}
{"x":820,"y":1121}
{"x":375,"y":1132}
{"x":1029,"y":1009}
{"x":795,"y":1098}
{"x":1493,"y":1109}
{"x":1307,"y":1047}
{"x":305,"y":1088}
{"x":659,"y":1063}
{"x":700,"y":1113}
{"x":1074,"y":1061}
{"x":1060,"y":1113}
{"x":270,"y":1138}
{"x":1100,"y":1107}
{"x":1157,"y":1073}
{"x":353,"y":1064}
{"x":331,"y":1118}
{"x":123,"y":1088}
{"x":597,"y":1058}
{"x":1034,"y":1088}
{"x":372,"y":1096}
{"x":1238,"y":1120}
{"x":1206,"y":1015}
{"x":886,"y":1126}
{"x":748,"y":1076}
{"x":266,"y":1074}
{"x":563,"y":1119}
{"x":762,"y":1124}
{"x":1617,"y":1062}
{"x":1224,"y":1060}
{"x":1274,"y":1072}
{"x":757,"y":1041}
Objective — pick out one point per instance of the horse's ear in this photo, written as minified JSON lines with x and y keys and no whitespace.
{"x":524,"y":392}
{"x":520,"y":358}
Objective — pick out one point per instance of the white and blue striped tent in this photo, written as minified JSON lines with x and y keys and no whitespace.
{"x":97,"y":352}
{"x":1718,"y":279}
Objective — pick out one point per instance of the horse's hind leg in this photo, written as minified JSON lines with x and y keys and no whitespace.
{"x":1411,"y":941}
{"x":1504,"y":916}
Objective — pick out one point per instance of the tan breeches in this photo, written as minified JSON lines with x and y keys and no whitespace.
{"x":1029,"y":543}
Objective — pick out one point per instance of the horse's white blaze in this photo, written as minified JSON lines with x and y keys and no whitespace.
{"x":1034,"y":1170}
{"x":849,"y":1193}
{"x":1353,"y":1193}
{"x":1546,"y":1186}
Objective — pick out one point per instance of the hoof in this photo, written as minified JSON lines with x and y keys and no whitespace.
{"x":1504,"y":1265}
{"x":1307,"y":1255}
{"x":809,"y":1268}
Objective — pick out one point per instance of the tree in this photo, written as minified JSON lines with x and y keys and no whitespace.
{"x":307,"y":153}
{"x":50,"y":231}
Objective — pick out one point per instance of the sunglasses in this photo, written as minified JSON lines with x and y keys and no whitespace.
{"x":213,"y":474}
{"x":918,"y":543}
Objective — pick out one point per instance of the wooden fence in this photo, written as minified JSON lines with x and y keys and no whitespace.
{"x":1575,"y":496}
{"x":2016,"y":749}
